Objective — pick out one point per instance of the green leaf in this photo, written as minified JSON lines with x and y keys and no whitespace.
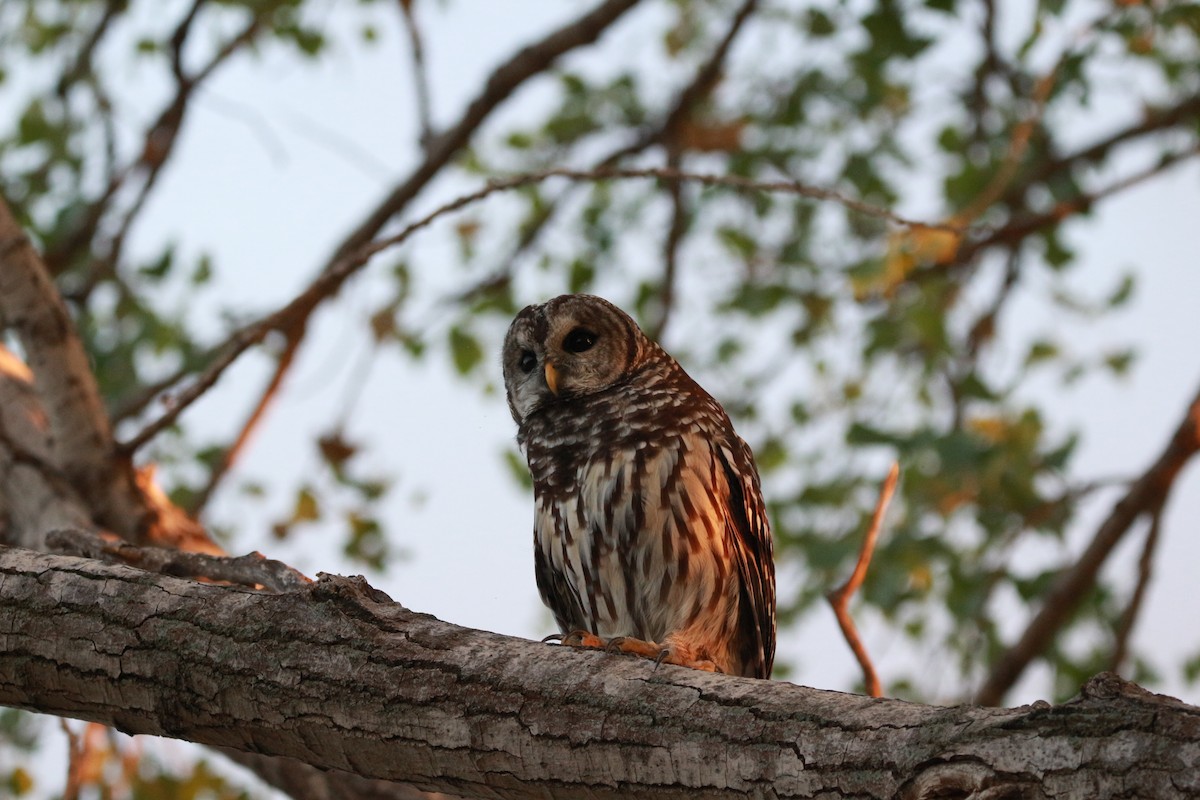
{"x":465,"y":350}
{"x":1119,"y":362}
{"x":1124,"y":291}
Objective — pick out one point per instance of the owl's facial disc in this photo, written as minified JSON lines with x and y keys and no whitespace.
{"x":565,"y":349}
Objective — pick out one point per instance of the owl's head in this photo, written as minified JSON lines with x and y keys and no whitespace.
{"x":569,"y":347}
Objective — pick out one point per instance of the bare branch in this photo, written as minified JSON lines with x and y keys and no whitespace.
{"x":252,"y":570}
{"x":420,"y":74}
{"x":675,"y":234}
{"x":1130,"y":614}
{"x":839,"y":598}
{"x":81,"y":65}
{"x":294,"y":336}
{"x":1144,"y":496}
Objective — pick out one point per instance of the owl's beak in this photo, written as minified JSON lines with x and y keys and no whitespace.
{"x":552,"y":378}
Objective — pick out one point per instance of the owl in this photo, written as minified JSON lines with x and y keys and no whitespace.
{"x":650,"y":533}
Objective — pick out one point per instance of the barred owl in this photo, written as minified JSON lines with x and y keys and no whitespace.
{"x":650,"y":531}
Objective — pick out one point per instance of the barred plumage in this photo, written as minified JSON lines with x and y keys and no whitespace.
{"x":649,"y":521}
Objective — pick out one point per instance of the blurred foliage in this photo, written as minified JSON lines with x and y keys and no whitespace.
{"x":838,"y":341}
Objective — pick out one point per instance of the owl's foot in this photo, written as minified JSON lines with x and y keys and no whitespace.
{"x":660,"y":654}
{"x":677,"y":654}
{"x":576,"y":639}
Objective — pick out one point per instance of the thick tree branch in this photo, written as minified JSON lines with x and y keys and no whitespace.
{"x":1145,"y":496}
{"x":37,"y":497}
{"x":80,"y":440}
{"x":338,"y":676}
{"x":253,"y":569}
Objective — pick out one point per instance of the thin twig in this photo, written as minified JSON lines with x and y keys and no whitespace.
{"x":839,"y":598}
{"x":1129,"y":615}
{"x":75,"y":753}
{"x":675,"y":234}
{"x":227,"y":459}
{"x":252,"y":569}
{"x":420,"y":73}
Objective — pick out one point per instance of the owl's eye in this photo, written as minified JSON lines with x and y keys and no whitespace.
{"x":528,"y":361}
{"x":579,"y":340}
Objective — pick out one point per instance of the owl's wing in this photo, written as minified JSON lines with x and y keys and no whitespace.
{"x":562,"y":600}
{"x":751,"y":538}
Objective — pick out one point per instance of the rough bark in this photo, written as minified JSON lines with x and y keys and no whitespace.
{"x":339,"y":677}
{"x":35,"y":497}
{"x":79,"y":438}
{"x":55,"y":425}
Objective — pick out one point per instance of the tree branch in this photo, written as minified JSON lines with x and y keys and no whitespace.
{"x":253,"y":569}
{"x":1145,"y":495}
{"x":839,"y":598}
{"x":416,"y":49}
{"x":37,"y":497}
{"x":80,"y":437}
{"x":1130,"y":614}
{"x":1153,"y":121}
{"x":338,"y":676}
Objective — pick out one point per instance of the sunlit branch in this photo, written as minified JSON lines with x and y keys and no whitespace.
{"x":293,"y":337}
{"x":839,"y":598}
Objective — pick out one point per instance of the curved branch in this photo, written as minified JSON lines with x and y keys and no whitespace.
{"x":338,"y":676}
{"x":1147,"y":494}
{"x":839,"y":598}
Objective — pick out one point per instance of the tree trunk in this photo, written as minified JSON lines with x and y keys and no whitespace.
{"x":338,"y":676}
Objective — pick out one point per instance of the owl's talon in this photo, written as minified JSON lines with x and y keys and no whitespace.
{"x":554,"y":637}
{"x":579,"y":639}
